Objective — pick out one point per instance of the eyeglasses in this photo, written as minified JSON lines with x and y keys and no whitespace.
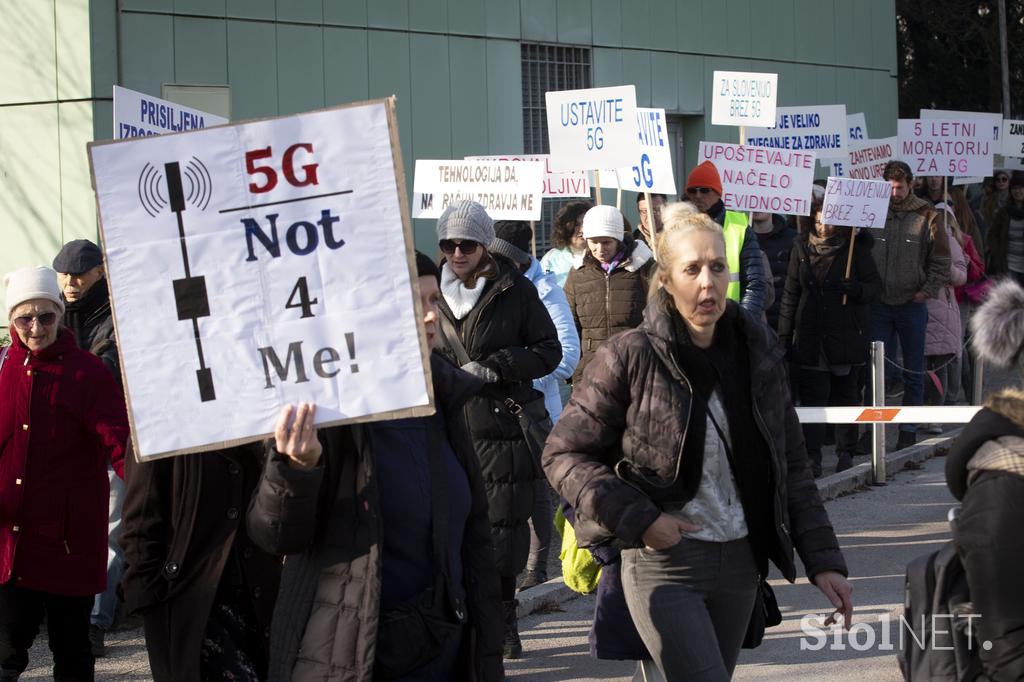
{"x":24,"y":322}
{"x":1002,"y":178}
{"x":699,"y":190}
{"x":466,"y":246}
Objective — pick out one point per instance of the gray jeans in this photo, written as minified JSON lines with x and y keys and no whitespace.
{"x":691,"y":604}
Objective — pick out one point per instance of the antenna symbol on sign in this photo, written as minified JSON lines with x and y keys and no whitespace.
{"x":152,"y":184}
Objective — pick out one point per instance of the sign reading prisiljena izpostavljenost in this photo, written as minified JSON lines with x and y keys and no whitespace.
{"x":946,"y":147}
{"x":593,"y":128}
{"x":742,"y":98}
{"x":242,"y":275}
{"x":508,"y":190}
{"x":136,"y":114}
{"x":856,"y":203}
{"x":761,"y":179}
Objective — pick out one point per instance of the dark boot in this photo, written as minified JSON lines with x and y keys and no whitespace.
{"x":865,"y":443}
{"x":815,"y":457}
{"x":513,"y":645}
{"x":96,"y":635}
{"x":9,"y":675}
{"x":844,"y":461}
{"x":906,"y":440}
{"x":532,"y":579}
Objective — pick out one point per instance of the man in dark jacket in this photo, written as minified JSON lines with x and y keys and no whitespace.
{"x":79,"y":266}
{"x":912,"y":254}
{"x":776,"y":239}
{"x":751,"y":285}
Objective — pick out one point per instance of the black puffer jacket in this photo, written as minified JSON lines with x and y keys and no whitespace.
{"x":604,"y":304}
{"x":631,"y":406}
{"x":328,"y":521}
{"x":987,"y":531}
{"x":812,"y":317}
{"x":510,"y":331}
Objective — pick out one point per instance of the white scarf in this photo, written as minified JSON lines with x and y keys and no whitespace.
{"x":458,"y":296}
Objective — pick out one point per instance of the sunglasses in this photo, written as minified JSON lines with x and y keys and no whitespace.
{"x":466,"y":246}
{"x":1002,"y":178}
{"x":24,"y":322}
{"x":698,"y":190}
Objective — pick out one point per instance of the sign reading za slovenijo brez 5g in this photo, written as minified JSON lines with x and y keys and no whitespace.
{"x":253,"y":266}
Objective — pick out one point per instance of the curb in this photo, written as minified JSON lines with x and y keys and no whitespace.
{"x":550,"y":594}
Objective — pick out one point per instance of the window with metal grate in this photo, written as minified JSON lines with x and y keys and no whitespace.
{"x":547,"y":68}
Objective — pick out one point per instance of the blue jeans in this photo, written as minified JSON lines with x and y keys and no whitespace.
{"x":104,"y":608}
{"x":908,"y":322}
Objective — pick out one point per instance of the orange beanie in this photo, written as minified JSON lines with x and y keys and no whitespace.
{"x":705,"y":175}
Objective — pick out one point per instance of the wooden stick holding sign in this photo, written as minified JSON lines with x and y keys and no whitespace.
{"x":652,"y":224}
{"x":618,"y":191}
{"x":533,"y":238}
{"x":597,"y":188}
{"x":849,"y":257}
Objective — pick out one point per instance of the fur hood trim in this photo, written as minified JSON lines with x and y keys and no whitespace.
{"x":998,"y":325}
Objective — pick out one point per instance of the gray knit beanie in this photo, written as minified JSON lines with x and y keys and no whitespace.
{"x":466,"y":220}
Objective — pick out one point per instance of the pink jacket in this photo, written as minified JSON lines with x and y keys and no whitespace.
{"x":945,"y":333}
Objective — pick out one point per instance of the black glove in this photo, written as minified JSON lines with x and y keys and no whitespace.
{"x":851,"y":288}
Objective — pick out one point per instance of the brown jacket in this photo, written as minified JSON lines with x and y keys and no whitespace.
{"x":604,"y":304}
{"x":912,"y":252}
{"x":632,"y":407}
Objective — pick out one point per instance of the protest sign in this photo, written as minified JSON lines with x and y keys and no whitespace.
{"x":257,"y":265}
{"x":509,"y":190}
{"x":858,"y":129}
{"x":819,"y":128}
{"x":761,"y":179}
{"x":867,"y":158}
{"x":856,"y":203}
{"x":593,"y":128}
{"x":946,"y":147}
{"x":982,"y":118}
{"x":139,"y":115}
{"x":741,"y":98}
{"x":652,"y":169}
{"x":1013,"y":138}
{"x":555,"y":185}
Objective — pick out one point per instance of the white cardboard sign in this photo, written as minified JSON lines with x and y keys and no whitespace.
{"x":856,"y":203}
{"x":867,"y":158}
{"x":652,"y":169}
{"x":983,"y":118}
{"x":822,"y":128}
{"x":858,"y":130}
{"x":509,"y":190}
{"x":857,"y":125}
{"x":760,"y":179}
{"x":1013,"y":138}
{"x":594,"y":128}
{"x":946,"y":146}
{"x":139,"y":115}
{"x":741,"y":98}
{"x":556,"y":185}
{"x":242,"y":276}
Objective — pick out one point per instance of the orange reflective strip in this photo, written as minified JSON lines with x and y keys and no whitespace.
{"x":878,"y":415}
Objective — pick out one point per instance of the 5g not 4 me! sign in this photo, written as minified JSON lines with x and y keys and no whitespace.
{"x":246,"y":272}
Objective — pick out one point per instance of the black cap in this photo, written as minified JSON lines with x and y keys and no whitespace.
{"x":78,"y":256}
{"x":426,"y":267}
{"x":1016,"y":179}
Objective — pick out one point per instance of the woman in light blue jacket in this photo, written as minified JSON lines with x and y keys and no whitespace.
{"x":512,"y":241}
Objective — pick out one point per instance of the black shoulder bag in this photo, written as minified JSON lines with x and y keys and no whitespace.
{"x":415,"y":632}
{"x":533,"y":417}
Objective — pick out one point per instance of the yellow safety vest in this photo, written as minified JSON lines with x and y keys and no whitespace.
{"x":735,"y":229}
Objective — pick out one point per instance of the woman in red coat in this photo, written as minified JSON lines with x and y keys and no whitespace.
{"x":62,"y":417}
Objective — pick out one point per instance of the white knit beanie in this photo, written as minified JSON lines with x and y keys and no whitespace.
{"x":603,"y":221}
{"x":29,"y":283}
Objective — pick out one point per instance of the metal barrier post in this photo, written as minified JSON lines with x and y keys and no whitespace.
{"x":878,"y":400}
{"x":979,"y":379}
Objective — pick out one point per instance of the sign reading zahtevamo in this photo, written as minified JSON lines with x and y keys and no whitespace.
{"x":254,"y":265}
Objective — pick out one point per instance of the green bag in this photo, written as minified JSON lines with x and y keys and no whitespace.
{"x":579,"y":570}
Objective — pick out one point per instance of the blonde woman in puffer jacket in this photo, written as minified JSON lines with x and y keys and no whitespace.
{"x":943,"y":343}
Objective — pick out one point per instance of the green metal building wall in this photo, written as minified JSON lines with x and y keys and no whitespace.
{"x":455,"y":65}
